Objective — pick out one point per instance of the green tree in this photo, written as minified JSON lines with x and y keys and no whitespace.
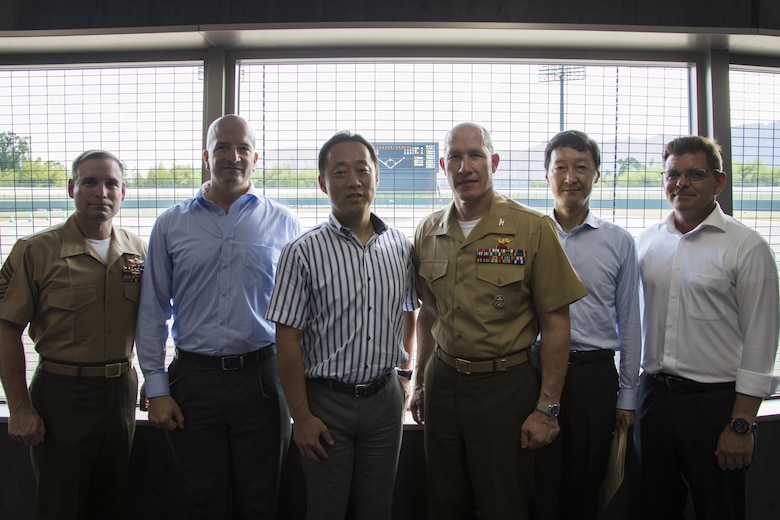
{"x":46,"y":173}
{"x":180,"y":176}
{"x":755,"y":174}
{"x":285,"y":177}
{"x":14,"y":150}
{"x":627,"y":165}
{"x":36,"y":174}
{"x":633,"y":174}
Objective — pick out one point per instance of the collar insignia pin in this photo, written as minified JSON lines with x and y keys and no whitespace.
{"x":500,"y":222}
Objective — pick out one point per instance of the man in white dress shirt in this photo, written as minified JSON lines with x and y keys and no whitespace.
{"x":710,"y":333}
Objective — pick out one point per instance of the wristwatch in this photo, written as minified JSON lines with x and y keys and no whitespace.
{"x":741,"y":426}
{"x":404,"y":373}
{"x":550,"y":410}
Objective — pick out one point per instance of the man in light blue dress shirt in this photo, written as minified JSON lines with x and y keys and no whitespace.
{"x":212,"y":260}
{"x":344,"y":306}
{"x":570,"y":470}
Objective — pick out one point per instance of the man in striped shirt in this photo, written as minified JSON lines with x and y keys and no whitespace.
{"x":343,"y":303}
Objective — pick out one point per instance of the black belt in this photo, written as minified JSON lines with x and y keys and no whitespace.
{"x":687,"y":386}
{"x":236,"y":362}
{"x":583,"y":357}
{"x":358,"y":390}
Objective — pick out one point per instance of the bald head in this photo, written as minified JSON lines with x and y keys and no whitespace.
{"x":232,"y":120}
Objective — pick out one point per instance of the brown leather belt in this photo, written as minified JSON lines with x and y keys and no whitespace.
{"x":108,"y":370}
{"x":466,"y":366}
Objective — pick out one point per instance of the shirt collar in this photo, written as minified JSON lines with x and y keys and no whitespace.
{"x":590,"y":221}
{"x":716,"y":219}
{"x":379,"y":225}
{"x":201,"y":195}
{"x":497,"y":221}
{"x":74,"y":243}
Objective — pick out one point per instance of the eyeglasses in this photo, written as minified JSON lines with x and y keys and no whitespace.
{"x":695,"y":175}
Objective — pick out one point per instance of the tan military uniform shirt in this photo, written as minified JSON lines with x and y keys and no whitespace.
{"x":490,"y":308}
{"x":80,"y":309}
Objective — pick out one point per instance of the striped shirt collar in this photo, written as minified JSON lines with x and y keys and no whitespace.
{"x":379,"y":226}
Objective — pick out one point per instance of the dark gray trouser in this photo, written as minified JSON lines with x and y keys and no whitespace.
{"x":81,"y":466}
{"x":367,"y":433}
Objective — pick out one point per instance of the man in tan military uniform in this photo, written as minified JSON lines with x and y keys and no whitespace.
{"x":77,"y":284}
{"x":492,"y":275}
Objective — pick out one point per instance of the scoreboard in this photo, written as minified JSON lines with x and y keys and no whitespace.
{"x":407,"y":167}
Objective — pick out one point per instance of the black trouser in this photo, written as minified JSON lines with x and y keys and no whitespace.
{"x":235,"y":438}
{"x":570,"y":470}
{"x":676,"y":435}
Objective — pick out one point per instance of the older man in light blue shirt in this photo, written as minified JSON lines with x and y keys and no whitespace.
{"x":212,"y":262}
{"x":571,"y":469}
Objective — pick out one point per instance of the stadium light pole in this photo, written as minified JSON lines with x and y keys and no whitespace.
{"x":561,"y":74}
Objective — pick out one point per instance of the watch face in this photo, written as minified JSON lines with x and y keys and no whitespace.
{"x":551,"y":410}
{"x":740,"y":426}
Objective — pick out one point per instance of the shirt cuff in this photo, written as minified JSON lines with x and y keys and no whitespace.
{"x":754,"y":384}
{"x":157,"y":384}
{"x":627,"y":398}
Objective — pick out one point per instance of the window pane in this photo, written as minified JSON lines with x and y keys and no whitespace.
{"x":755,"y":147}
{"x":150,"y":116}
{"x":631,"y":110}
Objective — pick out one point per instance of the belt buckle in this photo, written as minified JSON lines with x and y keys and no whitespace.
{"x":231,"y":358}
{"x":675,"y":384}
{"x":463,"y":365}
{"x":360,"y":388}
{"x":113,"y":370}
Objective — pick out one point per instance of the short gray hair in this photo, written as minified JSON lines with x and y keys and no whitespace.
{"x":487,"y":140}
{"x":96,"y":154}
